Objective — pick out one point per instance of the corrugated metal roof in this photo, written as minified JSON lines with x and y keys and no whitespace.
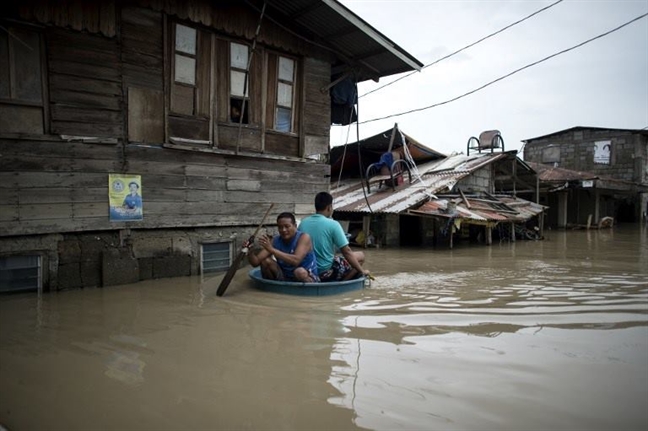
{"x":498,"y":209}
{"x":555,"y":174}
{"x":435,"y":177}
{"x":549,"y":175}
{"x":424,"y":196}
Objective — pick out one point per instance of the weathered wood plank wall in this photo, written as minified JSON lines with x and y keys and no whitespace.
{"x":113,"y":88}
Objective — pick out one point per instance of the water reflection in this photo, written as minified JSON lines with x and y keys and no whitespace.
{"x":530,"y":335}
{"x":556,"y":339}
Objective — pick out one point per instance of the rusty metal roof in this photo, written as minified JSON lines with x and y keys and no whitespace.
{"x":431,"y":178}
{"x":550,"y":175}
{"x":493,"y":209}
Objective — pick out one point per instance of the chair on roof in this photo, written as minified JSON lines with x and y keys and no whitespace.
{"x":489,"y":139}
{"x":389,"y":170}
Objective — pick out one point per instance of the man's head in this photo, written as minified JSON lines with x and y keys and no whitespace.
{"x":133,"y":186}
{"x":324,"y":204}
{"x":286,"y":225}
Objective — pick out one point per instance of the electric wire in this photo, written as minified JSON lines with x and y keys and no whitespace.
{"x":465,"y":47}
{"x":509,"y":74}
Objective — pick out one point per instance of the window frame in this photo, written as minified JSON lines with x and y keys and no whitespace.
{"x":8,"y":266}
{"x":235,"y":100}
{"x":43,"y":104}
{"x":294,"y":90}
{"x":228,"y":245}
{"x":174,"y":81}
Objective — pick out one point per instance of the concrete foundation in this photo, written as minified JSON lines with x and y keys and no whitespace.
{"x":95,"y":259}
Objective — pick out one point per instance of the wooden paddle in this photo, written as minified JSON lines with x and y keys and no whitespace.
{"x":237,"y":262}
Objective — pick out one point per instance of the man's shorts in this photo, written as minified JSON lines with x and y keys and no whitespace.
{"x":338,"y":270}
{"x":282,"y":277}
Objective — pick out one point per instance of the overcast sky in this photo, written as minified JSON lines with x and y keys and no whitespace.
{"x":601,"y":84}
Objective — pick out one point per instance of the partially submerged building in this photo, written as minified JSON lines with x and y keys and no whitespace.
{"x":591,"y":173}
{"x":436,"y":199}
{"x":208,"y":111}
{"x":583,"y":199}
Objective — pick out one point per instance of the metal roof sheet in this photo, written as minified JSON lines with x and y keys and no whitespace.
{"x":481,"y":211}
{"x":433,"y":178}
{"x":436,"y":178}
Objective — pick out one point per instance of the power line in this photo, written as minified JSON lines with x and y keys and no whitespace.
{"x":509,"y":74}
{"x":464,"y":48}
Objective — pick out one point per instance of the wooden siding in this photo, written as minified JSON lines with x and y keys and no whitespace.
{"x":317,"y":107}
{"x":99,"y":17}
{"x":51,"y":186}
{"x":114,"y":87}
{"x":85,"y":84}
{"x":142,"y":42}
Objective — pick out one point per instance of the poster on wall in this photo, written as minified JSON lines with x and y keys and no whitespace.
{"x":125,"y":195}
{"x":602,"y":152}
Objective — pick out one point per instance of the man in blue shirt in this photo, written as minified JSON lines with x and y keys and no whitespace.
{"x":328,"y":237}
{"x":288,"y":256}
{"x":133,"y":201}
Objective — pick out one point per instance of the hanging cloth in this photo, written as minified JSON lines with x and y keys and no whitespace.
{"x":343,"y":100}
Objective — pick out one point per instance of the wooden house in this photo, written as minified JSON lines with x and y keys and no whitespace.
{"x":433,"y":199}
{"x":209,"y":110}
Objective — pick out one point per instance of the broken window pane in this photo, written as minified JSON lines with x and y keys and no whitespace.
{"x":236,"y":107}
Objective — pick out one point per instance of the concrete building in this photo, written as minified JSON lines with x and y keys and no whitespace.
{"x":589,"y":173}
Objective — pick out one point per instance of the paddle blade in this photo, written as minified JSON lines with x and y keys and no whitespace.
{"x":230,"y":274}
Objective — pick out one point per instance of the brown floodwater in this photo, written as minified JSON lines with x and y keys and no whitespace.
{"x":529,"y":335}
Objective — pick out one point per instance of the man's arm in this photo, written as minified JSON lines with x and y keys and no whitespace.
{"x":256,"y":258}
{"x":304,"y":245}
{"x":350,"y":256}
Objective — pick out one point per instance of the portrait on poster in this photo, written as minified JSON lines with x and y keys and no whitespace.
{"x":125,"y":195}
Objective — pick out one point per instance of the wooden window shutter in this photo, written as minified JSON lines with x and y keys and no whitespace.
{"x":272,"y":91}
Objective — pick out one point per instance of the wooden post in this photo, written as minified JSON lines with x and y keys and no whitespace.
{"x":391,"y":140}
{"x":451,"y":233}
{"x":366,"y":222}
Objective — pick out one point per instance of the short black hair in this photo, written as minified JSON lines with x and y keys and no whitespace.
{"x":133,"y":182}
{"x":289,"y":215}
{"x":322,"y":200}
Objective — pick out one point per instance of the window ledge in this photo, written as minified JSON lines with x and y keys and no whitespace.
{"x":276,"y":132}
{"x":66,"y":138}
{"x":249,"y":154}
